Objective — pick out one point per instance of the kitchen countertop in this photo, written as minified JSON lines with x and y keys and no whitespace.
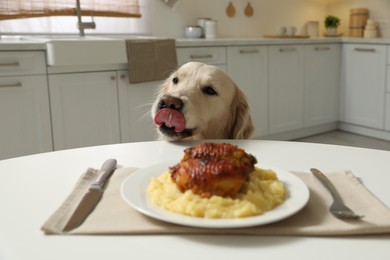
{"x":20,"y":43}
{"x":183,"y":42}
{"x":37,"y":43}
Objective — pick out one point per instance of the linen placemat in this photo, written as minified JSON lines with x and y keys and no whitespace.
{"x":150,"y":59}
{"x":112,"y":216}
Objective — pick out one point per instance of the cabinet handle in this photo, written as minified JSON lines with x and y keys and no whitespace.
{"x":122,"y":76}
{"x":18,"y":84}
{"x":322,"y":48}
{"x":287,"y":49}
{"x":365,"y":49}
{"x":10,"y":64}
{"x":206,"y":56}
{"x":113,"y":78}
{"x":249,"y":51}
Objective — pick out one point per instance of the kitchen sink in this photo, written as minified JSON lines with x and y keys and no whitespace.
{"x":74,"y":50}
{"x":80,"y":51}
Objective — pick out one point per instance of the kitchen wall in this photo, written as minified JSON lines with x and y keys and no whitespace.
{"x":268,"y":14}
{"x":160,"y":20}
{"x":379,"y":10}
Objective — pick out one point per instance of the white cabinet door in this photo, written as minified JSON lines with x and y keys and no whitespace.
{"x":247,"y":66}
{"x":322,"y":84}
{"x":135,"y":103}
{"x":364,"y":85}
{"x":25,"y":116}
{"x":84,"y":109}
{"x":286,"y":88}
{"x":387,"y":113}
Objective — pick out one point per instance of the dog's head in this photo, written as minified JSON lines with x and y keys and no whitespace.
{"x":200,"y":101}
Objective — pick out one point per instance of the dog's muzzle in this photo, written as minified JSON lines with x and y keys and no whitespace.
{"x":169,"y":117}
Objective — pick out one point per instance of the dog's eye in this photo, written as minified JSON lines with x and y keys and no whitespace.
{"x":175,"y":80}
{"x":209,"y":91}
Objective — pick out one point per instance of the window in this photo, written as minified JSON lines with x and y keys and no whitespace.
{"x":44,"y":19}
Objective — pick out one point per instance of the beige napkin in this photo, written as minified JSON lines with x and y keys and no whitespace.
{"x":113,"y":216}
{"x":150,"y":59}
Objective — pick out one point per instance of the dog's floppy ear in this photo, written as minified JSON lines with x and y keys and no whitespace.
{"x":241,"y":126}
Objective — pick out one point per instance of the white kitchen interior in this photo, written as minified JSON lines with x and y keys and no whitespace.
{"x":64,"y":93}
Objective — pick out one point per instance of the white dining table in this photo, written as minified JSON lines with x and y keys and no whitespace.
{"x":32,"y":187}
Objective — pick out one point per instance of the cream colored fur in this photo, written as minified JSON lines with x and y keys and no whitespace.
{"x":225,"y":115}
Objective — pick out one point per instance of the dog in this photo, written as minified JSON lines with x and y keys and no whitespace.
{"x":200,"y":101}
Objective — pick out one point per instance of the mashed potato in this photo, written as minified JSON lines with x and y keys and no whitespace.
{"x":261,"y":193}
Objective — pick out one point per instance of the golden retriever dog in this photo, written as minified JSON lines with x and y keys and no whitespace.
{"x":200,"y":101}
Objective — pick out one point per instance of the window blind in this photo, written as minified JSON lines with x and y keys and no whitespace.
{"x":16,"y":9}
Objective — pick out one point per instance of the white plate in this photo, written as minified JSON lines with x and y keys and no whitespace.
{"x":134,"y":188}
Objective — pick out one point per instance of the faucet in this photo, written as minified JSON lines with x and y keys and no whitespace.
{"x":83,"y":25}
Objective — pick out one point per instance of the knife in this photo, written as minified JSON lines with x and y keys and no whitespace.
{"x":92,"y":197}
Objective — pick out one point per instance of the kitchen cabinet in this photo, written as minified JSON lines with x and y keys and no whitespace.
{"x":387,"y":112}
{"x":322,"y":84}
{"x":248,"y":67}
{"x":25,"y":116}
{"x":84,"y":109}
{"x":285,"y":88}
{"x":364,"y":85}
{"x":135,"y":103}
{"x":209,"y":55}
{"x":292,"y":88}
{"x":387,"y":101}
{"x":16,"y":63}
{"x":24,"y":104}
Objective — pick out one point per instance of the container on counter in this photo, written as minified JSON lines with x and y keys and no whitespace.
{"x":357,"y":21}
{"x":193,"y":31}
{"x":202,"y":24}
{"x":371,"y":30}
{"x":211,"y":29}
{"x":312,"y":28}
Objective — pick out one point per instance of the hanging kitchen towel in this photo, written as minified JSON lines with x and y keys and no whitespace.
{"x":113,"y":216}
{"x":150,"y":59}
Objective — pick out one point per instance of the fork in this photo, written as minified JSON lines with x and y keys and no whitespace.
{"x":338,"y":209}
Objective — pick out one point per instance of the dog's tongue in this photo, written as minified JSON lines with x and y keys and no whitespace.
{"x":170,"y":118}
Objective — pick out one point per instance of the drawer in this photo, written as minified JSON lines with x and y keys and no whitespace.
{"x":209,"y":55}
{"x":22,"y":63}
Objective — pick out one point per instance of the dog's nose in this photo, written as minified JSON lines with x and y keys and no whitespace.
{"x":170,"y":102}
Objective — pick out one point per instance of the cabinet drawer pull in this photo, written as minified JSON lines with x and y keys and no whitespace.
{"x":322,"y":48}
{"x":249,"y":51}
{"x":287,"y":49}
{"x":206,"y":56}
{"x":10,"y":64}
{"x":365,"y":49}
{"x":18,"y":84}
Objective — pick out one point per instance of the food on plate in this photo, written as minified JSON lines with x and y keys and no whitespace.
{"x":217,"y":181}
{"x":213,"y":169}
